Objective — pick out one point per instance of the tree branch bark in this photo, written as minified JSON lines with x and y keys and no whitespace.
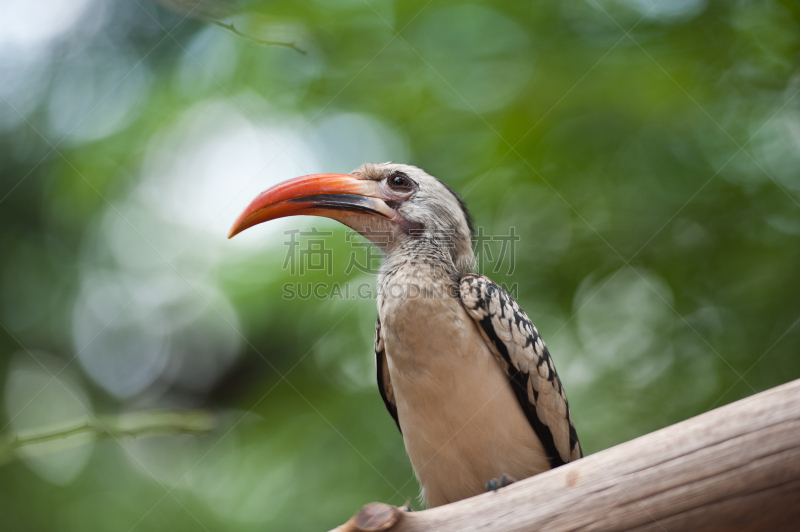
{"x":230,"y":27}
{"x":129,"y":425}
{"x":734,"y":468}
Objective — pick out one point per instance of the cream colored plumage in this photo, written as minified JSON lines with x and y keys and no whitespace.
{"x":458,"y":415}
{"x":460,"y":367}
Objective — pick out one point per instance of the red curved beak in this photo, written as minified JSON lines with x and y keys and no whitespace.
{"x":329,"y":195}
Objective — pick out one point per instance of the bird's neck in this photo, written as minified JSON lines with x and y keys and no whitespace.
{"x":418,"y":266}
{"x":428,"y":256}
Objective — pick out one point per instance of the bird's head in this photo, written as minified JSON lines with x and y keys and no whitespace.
{"x":395,"y":206}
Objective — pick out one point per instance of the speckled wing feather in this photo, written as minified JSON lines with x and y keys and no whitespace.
{"x":384,"y":383}
{"x":520,"y":351}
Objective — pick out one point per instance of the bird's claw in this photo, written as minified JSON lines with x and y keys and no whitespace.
{"x":497,"y":483}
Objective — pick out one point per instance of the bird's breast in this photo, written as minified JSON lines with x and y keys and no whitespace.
{"x":461,"y":422}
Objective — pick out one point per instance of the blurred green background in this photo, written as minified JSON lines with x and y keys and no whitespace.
{"x":646,"y":153}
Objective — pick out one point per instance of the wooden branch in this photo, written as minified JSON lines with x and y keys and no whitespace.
{"x":735,"y":468}
{"x":213,"y":12}
{"x":230,"y":27}
{"x":129,"y":425}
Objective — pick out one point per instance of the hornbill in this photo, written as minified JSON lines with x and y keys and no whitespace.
{"x":460,"y":367}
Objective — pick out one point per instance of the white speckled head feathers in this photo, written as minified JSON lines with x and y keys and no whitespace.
{"x":439,"y":217}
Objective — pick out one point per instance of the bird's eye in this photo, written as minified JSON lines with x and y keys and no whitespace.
{"x":399,"y":181}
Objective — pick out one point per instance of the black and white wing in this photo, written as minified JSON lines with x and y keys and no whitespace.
{"x":384,"y":383}
{"x":520,"y":351}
